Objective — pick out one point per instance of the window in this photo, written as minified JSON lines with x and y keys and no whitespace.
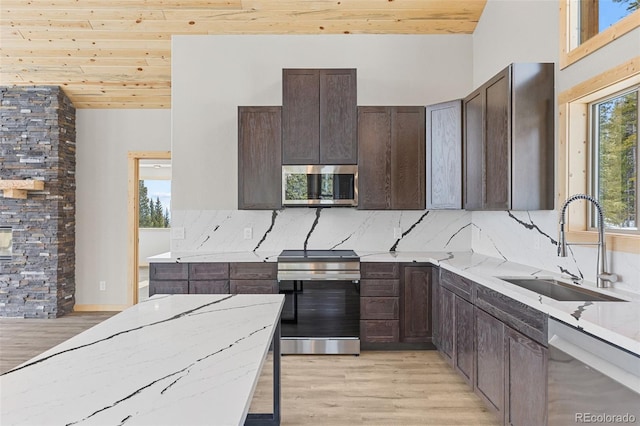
{"x":614,"y":159}
{"x":587,"y":25}
{"x":598,"y":155}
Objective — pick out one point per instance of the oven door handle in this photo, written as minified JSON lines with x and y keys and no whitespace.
{"x":620,"y":375}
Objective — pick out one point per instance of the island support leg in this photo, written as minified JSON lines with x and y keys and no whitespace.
{"x":254,"y":419}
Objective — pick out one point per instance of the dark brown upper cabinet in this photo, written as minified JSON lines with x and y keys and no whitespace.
{"x":319,"y":113}
{"x":444,"y":155}
{"x":508,"y":140}
{"x":391,"y":158}
{"x":259,"y":156}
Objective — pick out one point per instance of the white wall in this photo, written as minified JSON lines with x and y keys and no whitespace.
{"x":152,"y":241}
{"x":104,"y":137}
{"x":213,"y":75}
{"x":527,"y":31}
{"x":514,"y":31}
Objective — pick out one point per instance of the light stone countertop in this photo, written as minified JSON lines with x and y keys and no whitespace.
{"x":615,"y":322}
{"x":171,"y":359}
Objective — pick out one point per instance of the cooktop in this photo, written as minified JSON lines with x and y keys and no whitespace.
{"x":317,"y":254}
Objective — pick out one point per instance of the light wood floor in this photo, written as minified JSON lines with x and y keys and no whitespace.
{"x":376,"y":388}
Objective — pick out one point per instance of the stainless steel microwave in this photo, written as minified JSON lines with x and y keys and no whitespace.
{"x":320,"y":185}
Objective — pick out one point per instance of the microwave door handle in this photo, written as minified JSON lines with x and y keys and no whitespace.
{"x":625,"y":378}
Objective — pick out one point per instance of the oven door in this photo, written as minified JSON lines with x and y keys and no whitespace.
{"x":320,"y":185}
{"x":589,"y":380}
{"x":320,"y":317}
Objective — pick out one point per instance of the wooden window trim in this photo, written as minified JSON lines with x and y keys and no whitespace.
{"x":568,"y":56}
{"x":573,"y":146}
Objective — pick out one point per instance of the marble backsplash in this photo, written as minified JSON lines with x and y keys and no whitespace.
{"x":321,"y":228}
{"x":531,"y":238}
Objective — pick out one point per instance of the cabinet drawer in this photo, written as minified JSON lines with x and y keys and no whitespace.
{"x":253,"y":287}
{"x":380,"y":331}
{"x":380,"y":270}
{"x":380,"y":288}
{"x":253,"y":271}
{"x":527,"y":320}
{"x":461,"y":286}
{"x":209,"y":287}
{"x":168,"y":271}
{"x":379,"y":308}
{"x":208,"y":271}
{"x":168,"y":287}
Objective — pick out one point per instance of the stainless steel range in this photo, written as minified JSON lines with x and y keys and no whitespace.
{"x":322,"y":301}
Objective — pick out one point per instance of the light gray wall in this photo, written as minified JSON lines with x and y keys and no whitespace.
{"x":514,"y":31}
{"x":104,"y":137}
{"x":213,"y":75}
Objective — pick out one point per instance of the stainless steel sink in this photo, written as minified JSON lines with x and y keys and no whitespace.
{"x":559,"y":290}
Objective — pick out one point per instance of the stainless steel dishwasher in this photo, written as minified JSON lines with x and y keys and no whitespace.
{"x":590,"y":380}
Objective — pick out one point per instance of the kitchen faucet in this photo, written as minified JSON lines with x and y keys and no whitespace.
{"x":602,"y":276}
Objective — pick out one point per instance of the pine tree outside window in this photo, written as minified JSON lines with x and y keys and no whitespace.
{"x":154,"y":213}
{"x":614,"y":159}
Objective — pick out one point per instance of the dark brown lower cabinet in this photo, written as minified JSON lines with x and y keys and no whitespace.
{"x":490,"y":361}
{"x":526,"y":381}
{"x":253,"y":287}
{"x":455,"y":332}
{"x":446,"y":323}
{"x":380,"y":303}
{"x":209,"y":287}
{"x":507,"y":368}
{"x":464,"y":338}
{"x":168,"y":287}
{"x":415,"y":304}
{"x":380,"y":331}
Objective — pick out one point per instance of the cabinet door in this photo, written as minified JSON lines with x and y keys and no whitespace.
{"x":490,"y":361}
{"x":209,"y":287}
{"x":379,"y":288}
{"x":473,"y":146}
{"x":380,"y":270}
{"x":446,"y":324}
{"x":497,"y":166}
{"x":253,"y":286}
{"x":408,"y":158}
{"x":374,"y":158}
{"x":415,"y":319}
{"x":379,"y":331}
{"x":379,"y":308}
{"x":168,"y":271}
{"x":253,"y":270}
{"x":338,"y":116}
{"x":208,"y":271}
{"x":168,"y":287}
{"x":259,"y":158}
{"x":300,"y":116}
{"x":526,"y":381}
{"x":464,"y":337}
{"x":444,"y":155}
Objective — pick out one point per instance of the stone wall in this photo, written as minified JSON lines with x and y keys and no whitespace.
{"x":37,"y":141}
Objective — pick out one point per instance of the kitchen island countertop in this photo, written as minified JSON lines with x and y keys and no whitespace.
{"x":171,"y":359}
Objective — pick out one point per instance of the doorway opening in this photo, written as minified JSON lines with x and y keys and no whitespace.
{"x":149,"y":215}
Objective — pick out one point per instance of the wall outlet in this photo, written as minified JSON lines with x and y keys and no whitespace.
{"x":103,"y":285}
{"x":397,"y":232}
{"x":177,"y":233}
{"x":248,"y":233}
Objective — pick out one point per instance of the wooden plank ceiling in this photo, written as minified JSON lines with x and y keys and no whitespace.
{"x":117,"y":53}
